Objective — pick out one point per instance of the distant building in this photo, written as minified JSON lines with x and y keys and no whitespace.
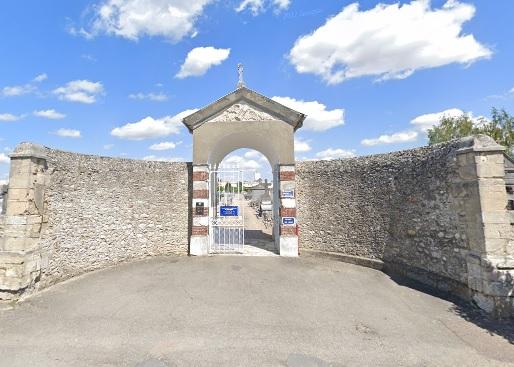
{"x":255,"y":193}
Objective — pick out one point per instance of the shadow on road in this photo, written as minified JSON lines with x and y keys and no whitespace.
{"x":467,"y":310}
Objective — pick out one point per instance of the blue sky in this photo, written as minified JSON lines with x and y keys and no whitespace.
{"x":113,"y":77}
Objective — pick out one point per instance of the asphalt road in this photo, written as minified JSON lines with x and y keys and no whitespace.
{"x":243,"y":311}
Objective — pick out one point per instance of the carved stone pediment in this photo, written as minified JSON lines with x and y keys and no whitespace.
{"x":244,"y":104}
{"x":242,"y":112}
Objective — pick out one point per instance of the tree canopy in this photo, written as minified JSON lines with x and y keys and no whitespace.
{"x":500,"y":127}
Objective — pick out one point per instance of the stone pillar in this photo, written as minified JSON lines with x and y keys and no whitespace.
{"x":199,"y":242}
{"x":20,"y":255}
{"x":288,"y":240}
{"x":490,"y":261}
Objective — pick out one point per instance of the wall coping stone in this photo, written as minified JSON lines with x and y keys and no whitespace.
{"x":27,"y":149}
{"x":479,"y":143}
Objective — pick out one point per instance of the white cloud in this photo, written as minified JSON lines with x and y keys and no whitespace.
{"x":165,"y":145}
{"x":388,"y":41}
{"x":241,"y":162}
{"x":149,"y":127}
{"x":68,"y":133}
{"x":318,"y":117}
{"x":18,"y":90}
{"x":330,"y":154}
{"x":282,"y":4}
{"x":89,"y":57}
{"x":49,"y":114}
{"x":259,"y":6}
{"x":201,"y":59}
{"x":400,"y":137}
{"x":4,"y":158}
{"x":301,"y":145}
{"x":132,"y":19}
{"x":427,"y":121}
{"x":40,"y":78}
{"x":10,"y":117}
{"x":83,"y":91}
{"x":253,"y":154}
{"x":421,"y":124}
{"x":158,"y":97}
{"x":162,"y":159}
{"x":255,"y":6}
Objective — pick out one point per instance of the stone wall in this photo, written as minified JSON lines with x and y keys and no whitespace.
{"x":428,"y":213}
{"x":91,"y":212}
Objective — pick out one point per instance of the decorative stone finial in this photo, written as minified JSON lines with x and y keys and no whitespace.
{"x":240,"y":71}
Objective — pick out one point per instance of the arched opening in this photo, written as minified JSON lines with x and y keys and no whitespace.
{"x":242,"y":119}
{"x":245,"y":180}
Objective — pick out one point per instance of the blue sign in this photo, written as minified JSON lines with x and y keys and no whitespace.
{"x":229,"y":211}
{"x":289,"y":221}
{"x":286,"y":194}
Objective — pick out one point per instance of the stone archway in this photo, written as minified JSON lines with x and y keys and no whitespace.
{"x":245,"y":119}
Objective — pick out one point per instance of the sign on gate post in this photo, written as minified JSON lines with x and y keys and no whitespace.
{"x":229,"y":211}
{"x":288,"y":221}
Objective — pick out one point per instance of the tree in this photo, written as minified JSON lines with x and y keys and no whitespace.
{"x":451,"y":128}
{"x":500,"y":128}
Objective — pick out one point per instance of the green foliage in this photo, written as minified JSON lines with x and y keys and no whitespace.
{"x":500,"y":128}
{"x":451,"y":128}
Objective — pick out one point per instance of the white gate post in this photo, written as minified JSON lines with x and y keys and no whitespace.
{"x":288,"y":225}
{"x":199,"y":243}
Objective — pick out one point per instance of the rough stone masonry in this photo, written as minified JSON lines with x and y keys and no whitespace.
{"x":437,"y":214}
{"x":70,"y":213}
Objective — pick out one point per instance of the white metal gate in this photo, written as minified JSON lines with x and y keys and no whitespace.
{"x":226,"y":210}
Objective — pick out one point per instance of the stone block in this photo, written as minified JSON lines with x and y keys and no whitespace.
{"x":498,"y":289}
{"x":497,"y":231}
{"x":288,"y":246}
{"x":200,"y":176}
{"x":201,"y":221}
{"x":200,"y":185}
{"x":27,"y":230}
{"x":199,"y":246}
{"x":485,"y":303}
{"x":18,"y":207}
{"x":10,"y":258}
{"x":288,"y":212}
{"x":493,"y":202}
{"x":200,"y":231}
{"x":475,"y":284}
{"x":468,"y":172}
{"x":490,"y":170}
{"x":495,"y":246}
{"x":287,"y":176}
{"x":495,"y":217}
{"x":20,"y":244}
{"x":288,"y":203}
{"x":200,"y":168}
{"x":287,"y":231}
{"x":16,"y":219}
{"x":200,"y":194}
{"x":15,"y":283}
{"x":20,"y":194}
